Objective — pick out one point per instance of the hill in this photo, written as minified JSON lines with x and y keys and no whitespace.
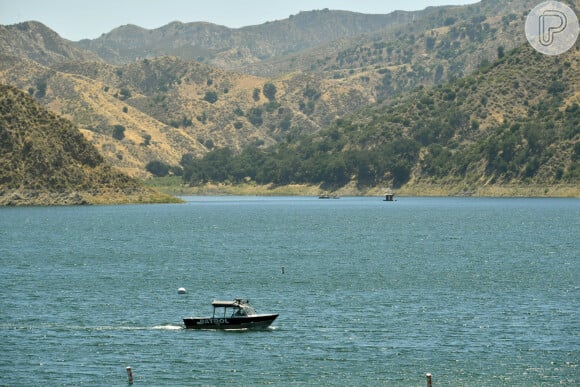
{"x":229,"y":48}
{"x":323,"y":40}
{"x":168,"y":107}
{"x":514,"y":122}
{"x":35,"y":41}
{"x":250,"y":89}
{"x":45,"y":160}
{"x":455,"y":38}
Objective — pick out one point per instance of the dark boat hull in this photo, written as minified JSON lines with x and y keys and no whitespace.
{"x":252,"y":322}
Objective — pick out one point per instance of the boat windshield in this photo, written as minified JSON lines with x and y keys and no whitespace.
{"x":249,"y":310}
{"x":239,"y":312}
{"x":243,"y":311}
{"x":237,"y":308}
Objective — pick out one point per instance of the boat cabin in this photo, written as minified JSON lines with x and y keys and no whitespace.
{"x":236,"y":314}
{"x":232,"y":309}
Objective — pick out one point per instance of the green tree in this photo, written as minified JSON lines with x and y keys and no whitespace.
{"x":401,"y":174}
{"x":210,"y":96}
{"x":269,"y":91}
{"x":146,"y":140}
{"x":286,"y":122}
{"x":158,"y":168}
{"x":186,"y":122}
{"x":217,"y":164}
{"x":125,"y":93}
{"x":500,"y":52}
{"x":256,"y":94}
{"x":41,"y":87}
{"x":429,"y":43}
{"x":187,"y":159}
{"x":439,"y":72}
{"x":556,"y":87}
{"x":255,"y":116}
{"x":118,"y":132}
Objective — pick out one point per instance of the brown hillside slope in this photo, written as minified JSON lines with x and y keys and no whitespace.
{"x":97,"y":108}
{"x":45,"y":160}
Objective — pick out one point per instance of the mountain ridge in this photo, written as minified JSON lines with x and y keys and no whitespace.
{"x":165,"y":108}
{"x":35,"y":41}
{"x":203,"y":41}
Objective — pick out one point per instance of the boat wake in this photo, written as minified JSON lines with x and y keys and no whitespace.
{"x":168,"y":327}
{"x":61,"y":328}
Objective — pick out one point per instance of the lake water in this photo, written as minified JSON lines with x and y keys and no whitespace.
{"x":474,"y":291}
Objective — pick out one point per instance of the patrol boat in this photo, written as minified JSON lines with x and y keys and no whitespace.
{"x":236,"y":314}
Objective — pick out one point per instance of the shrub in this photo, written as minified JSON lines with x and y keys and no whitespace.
{"x":256,"y":94}
{"x":118,"y":132}
{"x":146,"y":140}
{"x":125,"y":93}
{"x":210,"y":96}
{"x":269,"y":91}
{"x":255,"y":116}
{"x":158,"y":168}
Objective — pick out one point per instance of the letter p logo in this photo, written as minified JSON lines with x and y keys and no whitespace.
{"x":552,"y":28}
{"x":552,"y":22}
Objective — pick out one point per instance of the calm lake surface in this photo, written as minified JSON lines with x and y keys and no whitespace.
{"x":475,"y":291}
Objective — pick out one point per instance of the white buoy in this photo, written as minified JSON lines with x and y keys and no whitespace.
{"x":181,"y":291}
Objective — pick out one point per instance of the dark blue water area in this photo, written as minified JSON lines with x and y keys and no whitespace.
{"x":476,"y":291}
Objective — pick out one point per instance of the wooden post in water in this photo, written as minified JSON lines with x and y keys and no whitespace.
{"x":429,"y":382}
{"x":130,"y":375}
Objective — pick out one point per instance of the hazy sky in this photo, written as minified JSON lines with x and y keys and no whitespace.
{"x":80,"y":19}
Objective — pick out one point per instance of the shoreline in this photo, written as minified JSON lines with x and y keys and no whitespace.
{"x":43,"y":197}
{"x":173,"y":186}
{"x":169,"y":190}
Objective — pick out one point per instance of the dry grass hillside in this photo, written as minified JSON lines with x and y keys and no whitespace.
{"x":98,"y":109}
{"x":168,"y":107}
{"x":45,"y":160}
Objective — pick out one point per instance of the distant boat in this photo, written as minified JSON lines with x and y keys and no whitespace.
{"x":236,"y":314}
{"x":328,"y":196}
{"x":389,"y":197}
